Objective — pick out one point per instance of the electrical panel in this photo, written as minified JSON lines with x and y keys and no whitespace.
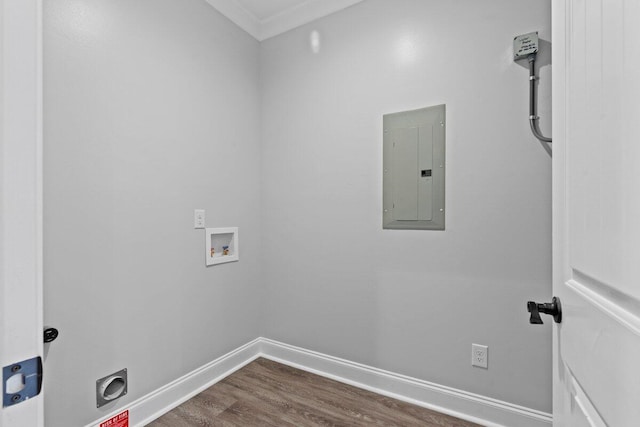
{"x":414,"y":169}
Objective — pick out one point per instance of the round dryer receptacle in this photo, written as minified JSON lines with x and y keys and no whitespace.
{"x":111,"y":387}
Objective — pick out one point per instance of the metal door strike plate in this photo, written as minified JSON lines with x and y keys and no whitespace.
{"x":21,"y":381}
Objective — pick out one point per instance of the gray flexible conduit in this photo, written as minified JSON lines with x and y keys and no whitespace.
{"x":533,"y":118}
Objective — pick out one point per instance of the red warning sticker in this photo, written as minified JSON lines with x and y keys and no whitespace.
{"x":120,"y":420}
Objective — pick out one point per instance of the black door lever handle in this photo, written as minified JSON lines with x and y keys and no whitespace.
{"x":553,"y":308}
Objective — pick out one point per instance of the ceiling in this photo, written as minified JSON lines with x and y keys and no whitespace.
{"x":267,"y":18}
{"x":264,"y":10}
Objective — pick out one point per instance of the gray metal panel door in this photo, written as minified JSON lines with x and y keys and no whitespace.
{"x":414,"y":169}
{"x":425,"y":173}
{"x":405,"y":182}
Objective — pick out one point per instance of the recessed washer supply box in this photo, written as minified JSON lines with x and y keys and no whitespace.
{"x":221,"y":245}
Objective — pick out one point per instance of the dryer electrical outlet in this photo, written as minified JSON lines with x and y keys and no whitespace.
{"x":414,"y":169}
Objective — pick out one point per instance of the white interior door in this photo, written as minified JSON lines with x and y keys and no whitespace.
{"x":596,"y":166}
{"x":20,"y":201}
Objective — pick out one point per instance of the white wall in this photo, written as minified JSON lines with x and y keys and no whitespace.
{"x":412,"y":302}
{"x":151,"y":110}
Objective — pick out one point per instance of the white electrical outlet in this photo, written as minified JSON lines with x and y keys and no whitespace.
{"x":480,"y":356}
{"x":198,"y":215}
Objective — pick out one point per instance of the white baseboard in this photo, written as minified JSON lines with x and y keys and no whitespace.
{"x":472,"y":407}
{"x":468,"y":406}
{"x":147,"y":408}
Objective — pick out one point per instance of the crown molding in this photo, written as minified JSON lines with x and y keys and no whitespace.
{"x":284,"y":21}
{"x":238,"y":15}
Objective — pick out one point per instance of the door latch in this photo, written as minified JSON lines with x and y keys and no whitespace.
{"x":21,"y":381}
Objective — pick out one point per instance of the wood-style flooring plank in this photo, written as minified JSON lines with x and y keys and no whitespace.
{"x":266,"y":393}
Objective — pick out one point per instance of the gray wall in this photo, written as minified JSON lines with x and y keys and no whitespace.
{"x":156,"y":107}
{"x":411,"y":302}
{"x":151,"y":110}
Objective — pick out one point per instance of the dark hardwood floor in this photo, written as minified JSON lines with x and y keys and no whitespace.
{"x":266,"y":393}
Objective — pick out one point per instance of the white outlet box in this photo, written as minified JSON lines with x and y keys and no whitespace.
{"x":198,"y":218}
{"x":480,"y":356}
